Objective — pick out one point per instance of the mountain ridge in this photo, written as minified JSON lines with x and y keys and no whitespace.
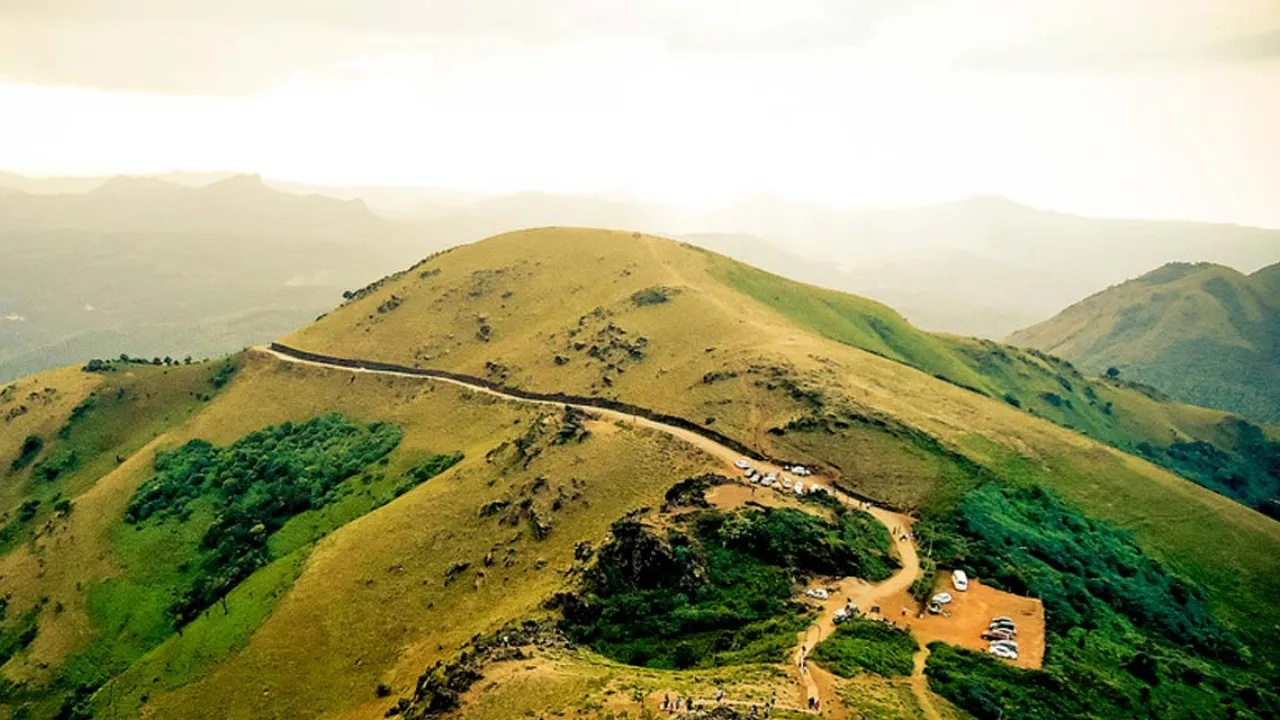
{"x":1205,"y":333}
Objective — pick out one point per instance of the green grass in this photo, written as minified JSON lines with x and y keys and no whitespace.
{"x":120,"y":416}
{"x":204,"y":643}
{"x":1201,"y":333}
{"x":862,"y":645}
{"x":851,"y":320}
{"x":1123,"y":633}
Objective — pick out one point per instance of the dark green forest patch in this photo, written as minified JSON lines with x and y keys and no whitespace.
{"x":716,"y":588}
{"x":254,"y":485}
{"x":1125,"y":637}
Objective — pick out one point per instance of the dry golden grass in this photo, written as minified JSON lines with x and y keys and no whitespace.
{"x":45,"y":412}
{"x":371,"y":606}
{"x":534,"y":288}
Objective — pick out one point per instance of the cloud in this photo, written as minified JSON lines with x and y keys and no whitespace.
{"x":236,"y":47}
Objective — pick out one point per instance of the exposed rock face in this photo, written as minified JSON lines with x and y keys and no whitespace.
{"x":638,"y":558}
{"x":440,"y":688}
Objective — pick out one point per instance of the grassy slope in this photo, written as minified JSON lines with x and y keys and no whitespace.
{"x":1203,"y":333}
{"x":52,"y":557}
{"x":369,"y":605}
{"x":533,"y":289}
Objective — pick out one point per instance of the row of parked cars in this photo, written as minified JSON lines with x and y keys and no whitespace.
{"x":1002,"y":635}
{"x":771,"y":479}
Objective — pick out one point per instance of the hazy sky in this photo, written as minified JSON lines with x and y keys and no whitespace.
{"x":1153,"y":108}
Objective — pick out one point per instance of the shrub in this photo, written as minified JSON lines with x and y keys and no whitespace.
{"x":31,"y":447}
{"x":59,"y":462}
{"x":655,"y":295}
{"x":873,"y":646}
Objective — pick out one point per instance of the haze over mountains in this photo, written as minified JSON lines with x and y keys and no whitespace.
{"x":244,"y":259}
{"x":152,"y":268}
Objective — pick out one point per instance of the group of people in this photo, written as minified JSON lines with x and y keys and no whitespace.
{"x":671,"y":706}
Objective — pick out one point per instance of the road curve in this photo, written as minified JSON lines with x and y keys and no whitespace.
{"x":815,"y":682}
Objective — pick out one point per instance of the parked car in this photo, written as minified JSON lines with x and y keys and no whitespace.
{"x":1011,"y":644}
{"x":767,"y":481}
{"x":818,"y":593}
{"x":798,"y":487}
{"x":1008,"y":627}
{"x":1002,"y":618}
{"x":998,"y":635}
{"x":959,"y":580}
{"x":1004,"y":653}
{"x":942,"y":598}
{"x":841,"y":615}
{"x":786,"y":483}
{"x":742,"y":464}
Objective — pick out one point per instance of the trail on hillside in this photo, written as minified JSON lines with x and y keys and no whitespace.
{"x":816,"y":682}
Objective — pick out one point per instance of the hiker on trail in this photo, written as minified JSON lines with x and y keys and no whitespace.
{"x":666,"y":701}
{"x":811,"y":703}
{"x":817,"y":704}
{"x":773,"y":698}
{"x":719,"y":695}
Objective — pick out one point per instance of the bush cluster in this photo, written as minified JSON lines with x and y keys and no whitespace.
{"x":1125,"y":637}
{"x":862,"y":645}
{"x":716,"y":589}
{"x":255,"y":485}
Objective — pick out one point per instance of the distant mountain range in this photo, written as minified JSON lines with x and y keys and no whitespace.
{"x":151,"y":267}
{"x":241,"y":204}
{"x":1205,"y":334}
{"x":982,"y":266}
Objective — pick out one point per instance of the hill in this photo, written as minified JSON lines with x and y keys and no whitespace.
{"x":1205,"y":334}
{"x":271,"y":537}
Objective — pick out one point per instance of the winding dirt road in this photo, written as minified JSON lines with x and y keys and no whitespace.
{"x":814,"y":681}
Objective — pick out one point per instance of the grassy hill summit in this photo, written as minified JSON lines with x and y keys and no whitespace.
{"x":1203,"y":333}
{"x":258,"y":536}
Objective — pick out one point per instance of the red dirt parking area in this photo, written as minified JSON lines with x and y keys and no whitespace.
{"x":971,"y":612}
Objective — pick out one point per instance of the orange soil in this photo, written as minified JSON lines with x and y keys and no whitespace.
{"x":971,"y":612}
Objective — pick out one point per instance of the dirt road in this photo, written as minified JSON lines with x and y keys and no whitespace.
{"x":818,"y":683}
{"x":815,"y":681}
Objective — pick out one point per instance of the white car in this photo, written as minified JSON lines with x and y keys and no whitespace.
{"x":1010,"y":644}
{"x":818,"y":593}
{"x":959,"y":580}
{"x":742,"y":464}
{"x":942,"y":598}
{"x":786,"y":483}
{"x":1003,"y":652}
{"x":798,"y":487}
{"x":767,"y":481}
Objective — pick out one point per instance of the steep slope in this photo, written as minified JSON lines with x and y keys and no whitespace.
{"x":782,"y":367}
{"x":336,"y":607}
{"x":275,"y":538}
{"x":1204,"y":334}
